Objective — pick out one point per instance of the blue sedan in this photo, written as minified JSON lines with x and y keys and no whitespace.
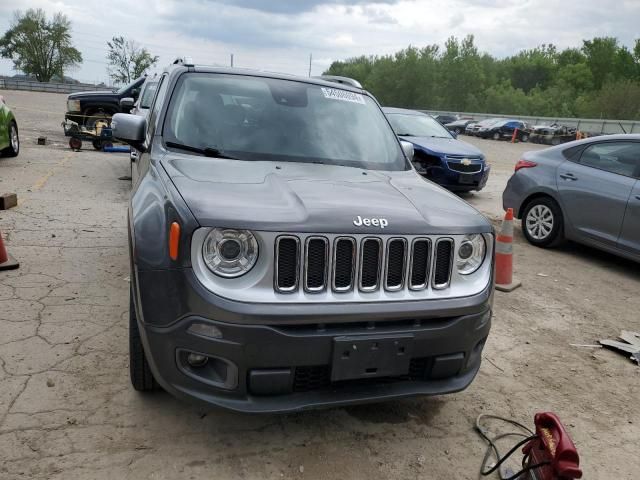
{"x":439,"y":156}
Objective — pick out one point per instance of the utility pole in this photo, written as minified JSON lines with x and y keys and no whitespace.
{"x":310,"y":60}
{"x":232,"y":60}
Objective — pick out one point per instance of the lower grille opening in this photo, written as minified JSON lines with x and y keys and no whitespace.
{"x":318,"y":377}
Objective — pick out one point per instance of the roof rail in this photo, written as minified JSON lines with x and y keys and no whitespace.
{"x":186,"y":61}
{"x":343,"y":80}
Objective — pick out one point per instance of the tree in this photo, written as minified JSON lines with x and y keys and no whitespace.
{"x":127,"y":60}
{"x":38,"y":46}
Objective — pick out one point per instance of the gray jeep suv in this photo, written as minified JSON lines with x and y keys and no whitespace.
{"x":284,"y":253}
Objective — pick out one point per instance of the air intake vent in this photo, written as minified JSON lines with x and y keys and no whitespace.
{"x":287,"y":264}
{"x":396,"y":264}
{"x":344,"y":256}
{"x":315,"y":273}
{"x":443,"y":260}
{"x":419,"y":271}
{"x":370,"y":264}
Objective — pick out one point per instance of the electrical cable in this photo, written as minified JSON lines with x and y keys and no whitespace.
{"x":492,"y":448}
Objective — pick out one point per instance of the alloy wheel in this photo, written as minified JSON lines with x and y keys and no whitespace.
{"x":539,"y":222}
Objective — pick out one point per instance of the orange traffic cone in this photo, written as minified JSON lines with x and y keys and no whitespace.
{"x":7,"y":262}
{"x":504,"y":256}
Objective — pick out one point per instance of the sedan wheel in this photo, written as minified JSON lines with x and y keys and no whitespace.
{"x":542,"y":222}
{"x":539,"y":222}
{"x":14,"y":141}
{"x":496,"y":136}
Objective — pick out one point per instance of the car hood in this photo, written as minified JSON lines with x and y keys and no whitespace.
{"x":448,"y":146}
{"x":91,"y":94}
{"x":297,"y":197}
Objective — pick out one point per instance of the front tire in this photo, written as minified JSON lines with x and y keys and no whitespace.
{"x":14,"y":141}
{"x":542,"y":223}
{"x":524,"y":138}
{"x":141,"y":376}
{"x":496,"y":136}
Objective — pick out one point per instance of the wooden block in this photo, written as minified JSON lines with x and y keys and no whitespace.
{"x":8,"y":200}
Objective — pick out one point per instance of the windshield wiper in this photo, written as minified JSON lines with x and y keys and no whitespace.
{"x":405,"y":135}
{"x":207,"y":151}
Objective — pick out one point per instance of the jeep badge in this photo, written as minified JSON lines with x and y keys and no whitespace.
{"x":367,"y":222}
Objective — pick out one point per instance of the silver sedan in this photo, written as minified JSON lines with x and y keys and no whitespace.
{"x":587,"y":191}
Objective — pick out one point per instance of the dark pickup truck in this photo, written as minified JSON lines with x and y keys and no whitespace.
{"x":86,"y":108}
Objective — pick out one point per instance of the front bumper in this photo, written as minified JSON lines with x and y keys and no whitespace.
{"x":459,"y":181}
{"x":280,"y":360}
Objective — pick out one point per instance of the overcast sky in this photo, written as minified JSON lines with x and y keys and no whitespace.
{"x":279,"y":35}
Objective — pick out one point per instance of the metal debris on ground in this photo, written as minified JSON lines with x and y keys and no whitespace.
{"x":630,"y":344}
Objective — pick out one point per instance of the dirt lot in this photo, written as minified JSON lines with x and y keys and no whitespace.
{"x":67,"y":410}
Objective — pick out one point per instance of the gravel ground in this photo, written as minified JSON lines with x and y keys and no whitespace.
{"x":67,"y":410}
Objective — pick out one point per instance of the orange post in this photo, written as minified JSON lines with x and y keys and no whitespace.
{"x":7,"y":262}
{"x":514,"y":136}
{"x":504,"y":255}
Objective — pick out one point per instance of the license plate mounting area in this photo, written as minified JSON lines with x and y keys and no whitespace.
{"x":370,"y":356}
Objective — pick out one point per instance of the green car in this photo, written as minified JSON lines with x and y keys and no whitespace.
{"x":9,"y":140}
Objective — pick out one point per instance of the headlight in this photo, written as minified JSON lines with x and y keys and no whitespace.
{"x":230,"y":253}
{"x":470,"y":254}
{"x":73,"y":105}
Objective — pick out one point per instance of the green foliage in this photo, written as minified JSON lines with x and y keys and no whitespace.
{"x":127,"y":60}
{"x":38,"y":46}
{"x":600,"y":79}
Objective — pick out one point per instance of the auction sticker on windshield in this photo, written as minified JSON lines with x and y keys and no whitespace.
{"x":336,"y":94}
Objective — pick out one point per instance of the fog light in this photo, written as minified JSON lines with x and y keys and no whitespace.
{"x":205,"y":330}
{"x":197,"y":360}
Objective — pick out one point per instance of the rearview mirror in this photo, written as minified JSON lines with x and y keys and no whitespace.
{"x":127,"y":102}
{"x":407,"y":147}
{"x":130,"y":129}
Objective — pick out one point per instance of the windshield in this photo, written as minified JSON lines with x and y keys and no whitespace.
{"x":254,"y":118}
{"x":417,"y":126}
{"x":147,"y":94}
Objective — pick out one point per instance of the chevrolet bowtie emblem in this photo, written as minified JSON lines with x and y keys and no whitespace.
{"x":466,"y":161}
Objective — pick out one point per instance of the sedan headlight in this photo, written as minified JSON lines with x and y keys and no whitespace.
{"x":73,"y":105}
{"x":470,"y":254}
{"x":230,"y":253}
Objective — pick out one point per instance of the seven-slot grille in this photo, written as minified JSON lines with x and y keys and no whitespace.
{"x":368,"y":264}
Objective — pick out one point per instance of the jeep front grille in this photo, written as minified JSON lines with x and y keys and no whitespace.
{"x":287,"y":267}
{"x":371,"y":263}
{"x":370,"y":258}
{"x":315,"y":272}
{"x":443,"y":261}
{"x":344,"y":258}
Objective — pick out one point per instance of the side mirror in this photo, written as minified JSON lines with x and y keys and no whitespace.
{"x":127,"y":102}
{"x":407,"y":147}
{"x":130,"y":129}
